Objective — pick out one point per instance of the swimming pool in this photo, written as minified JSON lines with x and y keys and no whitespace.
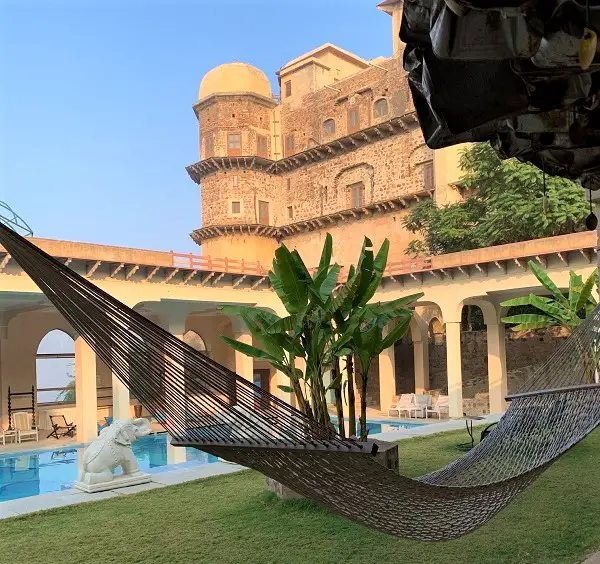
{"x":382,"y":426}
{"x":24,"y":474}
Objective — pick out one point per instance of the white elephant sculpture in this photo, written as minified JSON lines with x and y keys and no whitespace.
{"x":111,"y":449}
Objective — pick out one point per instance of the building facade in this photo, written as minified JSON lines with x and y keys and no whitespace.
{"x":337,"y":150}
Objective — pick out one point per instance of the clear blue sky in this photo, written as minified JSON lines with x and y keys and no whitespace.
{"x":96,"y":124}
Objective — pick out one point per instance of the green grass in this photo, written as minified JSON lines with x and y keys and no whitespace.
{"x":231,"y":519}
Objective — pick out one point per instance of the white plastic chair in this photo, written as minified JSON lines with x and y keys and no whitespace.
{"x":404,"y":403}
{"x":22,"y":421}
{"x":422,"y":404}
{"x":441,"y":406}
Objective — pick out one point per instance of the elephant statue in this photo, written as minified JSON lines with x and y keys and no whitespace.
{"x":111,"y":449}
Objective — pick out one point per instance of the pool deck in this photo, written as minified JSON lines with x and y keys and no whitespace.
{"x":25,"y":505}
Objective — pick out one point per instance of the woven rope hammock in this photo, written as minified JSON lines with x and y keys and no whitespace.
{"x":206,"y":406}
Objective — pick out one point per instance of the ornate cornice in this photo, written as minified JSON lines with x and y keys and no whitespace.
{"x":211,"y":165}
{"x":314,"y":224}
{"x":332,"y":149}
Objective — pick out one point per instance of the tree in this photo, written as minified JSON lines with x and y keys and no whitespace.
{"x":505,"y":202}
{"x":323,"y":325}
{"x":68,"y":394}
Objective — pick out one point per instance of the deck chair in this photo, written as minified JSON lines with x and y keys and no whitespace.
{"x":60,"y":427}
{"x":441,"y":406}
{"x":422,"y":402}
{"x":403,"y":403}
{"x":23,"y":425}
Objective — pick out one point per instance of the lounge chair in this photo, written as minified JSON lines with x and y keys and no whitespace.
{"x":60,"y":427}
{"x":25,"y":430}
{"x":441,"y":406}
{"x":403,"y":403}
{"x":422,"y":402}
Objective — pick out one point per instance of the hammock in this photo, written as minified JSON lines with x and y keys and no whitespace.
{"x":206,"y":406}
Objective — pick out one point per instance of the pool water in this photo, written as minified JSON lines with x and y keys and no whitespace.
{"x":25,"y":474}
{"x":380,"y":426}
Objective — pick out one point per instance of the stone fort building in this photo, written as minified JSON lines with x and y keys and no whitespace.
{"x":337,"y":150}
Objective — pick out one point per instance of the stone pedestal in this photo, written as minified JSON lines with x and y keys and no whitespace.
{"x":387,"y":455}
{"x":282,"y":492}
{"x":119,"y":481}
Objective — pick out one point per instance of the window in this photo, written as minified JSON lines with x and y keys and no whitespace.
{"x":235,"y":180}
{"x":234,"y":144}
{"x":261,"y":145}
{"x":236,"y":207}
{"x":289,"y":186}
{"x":329,"y":127}
{"x":289,"y":145}
{"x":353,"y":120}
{"x":263,"y":212}
{"x":381,"y":107}
{"x":208,"y":146}
{"x":428,"y":179}
{"x":290,"y":212}
{"x":288,"y":88}
{"x":357,"y":195}
{"x":55,"y":368}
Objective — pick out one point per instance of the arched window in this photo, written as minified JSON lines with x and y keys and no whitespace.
{"x":381,"y":107}
{"x":329,"y":127}
{"x":195,"y":341}
{"x":436,"y":327}
{"x":55,"y":368}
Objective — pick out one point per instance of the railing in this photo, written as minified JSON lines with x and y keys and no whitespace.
{"x":234,"y":266}
{"x":227,"y":265}
{"x":407,"y":266}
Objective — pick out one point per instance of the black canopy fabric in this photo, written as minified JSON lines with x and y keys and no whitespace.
{"x":206,"y":406}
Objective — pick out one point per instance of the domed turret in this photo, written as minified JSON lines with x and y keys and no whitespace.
{"x":235,"y":78}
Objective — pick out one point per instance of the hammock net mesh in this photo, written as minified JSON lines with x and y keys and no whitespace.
{"x":206,"y":406}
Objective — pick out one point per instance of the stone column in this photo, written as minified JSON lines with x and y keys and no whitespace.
{"x":120,"y":399}
{"x":454,"y":365}
{"x":244,"y":365}
{"x":282,"y":380}
{"x":86,"y":401}
{"x":421,"y":352}
{"x":175,"y":455}
{"x":497,"y":377}
{"x":3,"y":393}
{"x":387,"y":376}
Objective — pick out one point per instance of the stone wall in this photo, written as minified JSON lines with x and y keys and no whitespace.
{"x":389,"y":168}
{"x":246,"y":115}
{"x":523,"y":355}
{"x":357,"y":92}
{"x":248,"y":187}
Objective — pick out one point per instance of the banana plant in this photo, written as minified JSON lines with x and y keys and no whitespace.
{"x":559,"y":310}
{"x":305,"y":333}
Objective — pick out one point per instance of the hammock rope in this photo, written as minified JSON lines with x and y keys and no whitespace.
{"x":204,"y":405}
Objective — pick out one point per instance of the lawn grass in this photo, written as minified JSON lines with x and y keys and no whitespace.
{"x":230,"y":519}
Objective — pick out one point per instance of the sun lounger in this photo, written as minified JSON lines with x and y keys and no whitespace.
{"x":402,"y":404}
{"x":422,"y":402}
{"x":441,"y":406}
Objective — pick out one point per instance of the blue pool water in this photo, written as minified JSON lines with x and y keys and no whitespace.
{"x":23,"y":474}
{"x":381,"y":426}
